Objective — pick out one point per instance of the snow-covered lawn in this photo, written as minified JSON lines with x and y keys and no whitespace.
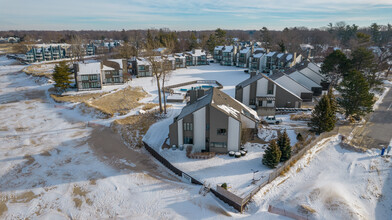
{"x":337,"y":183}
{"x":53,"y":168}
{"x":236,"y":172}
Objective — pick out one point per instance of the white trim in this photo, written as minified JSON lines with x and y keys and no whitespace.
{"x":233,"y":135}
{"x":199,"y":129}
{"x":180,"y":132}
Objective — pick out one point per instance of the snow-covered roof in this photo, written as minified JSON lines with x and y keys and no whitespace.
{"x":261,"y":76}
{"x":179,"y":55}
{"x":107,"y":68}
{"x":171,"y":58}
{"x":258,"y":55}
{"x":142,"y":61}
{"x":228,"y":48}
{"x":270,"y":54}
{"x":222,"y":102}
{"x":197,"y":52}
{"x":306,"y":46}
{"x":280,"y":55}
{"x":119,"y":61}
{"x":245,"y":50}
{"x":161,"y":49}
{"x":289,"y":57}
{"x":259,"y":49}
{"x":218,"y":48}
{"x":89,"y":68}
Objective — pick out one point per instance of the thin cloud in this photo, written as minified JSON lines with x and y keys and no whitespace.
{"x":183,"y":15}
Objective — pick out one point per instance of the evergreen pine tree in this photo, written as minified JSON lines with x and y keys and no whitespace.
{"x":323,"y":117}
{"x":211,"y":43}
{"x":193,"y":42}
{"x":355,"y":96}
{"x":284,"y":146}
{"x":332,"y":100}
{"x":272,"y":155}
{"x":61,"y":76}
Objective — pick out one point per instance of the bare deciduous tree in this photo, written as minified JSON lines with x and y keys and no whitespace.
{"x":77,"y":48}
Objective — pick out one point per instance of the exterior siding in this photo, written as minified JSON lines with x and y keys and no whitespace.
{"x":233,"y":140}
{"x":188,"y":119}
{"x":180,"y":132}
{"x":199,"y":130}
{"x":285,"y":99}
{"x":246,"y":94}
{"x":247,"y":123}
{"x":218,"y":120}
{"x":239,"y":94}
{"x":173,"y":133}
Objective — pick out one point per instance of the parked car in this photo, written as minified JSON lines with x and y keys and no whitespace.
{"x":246,"y":71}
{"x":272,"y":120}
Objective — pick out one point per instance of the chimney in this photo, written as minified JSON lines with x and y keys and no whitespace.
{"x":192,"y":96}
{"x":252,"y":74}
{"x":294,"y":59}
{"x":252,"y":50}
{"x":200,"y":93}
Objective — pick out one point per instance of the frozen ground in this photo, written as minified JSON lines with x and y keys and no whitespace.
{"x":337,"y":183}
{"x":54,"y":167}
{"x":236,"y":172}
{"x":228,"y":76}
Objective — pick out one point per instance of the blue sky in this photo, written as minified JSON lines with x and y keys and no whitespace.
{"x":188,"y":14}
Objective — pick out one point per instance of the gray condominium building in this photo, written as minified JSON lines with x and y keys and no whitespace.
{"x":212,"y":123}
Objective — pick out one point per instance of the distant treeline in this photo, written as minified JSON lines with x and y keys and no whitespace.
{"x":340,"y":34}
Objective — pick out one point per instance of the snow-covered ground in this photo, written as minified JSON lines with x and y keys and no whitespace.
{"x":337,"y":183}
{"x":52,"y":167}
{"x":49,"y":168}
{"x":228,"y":76}
{"x":236,"y":172}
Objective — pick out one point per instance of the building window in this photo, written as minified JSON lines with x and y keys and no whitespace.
{"x":251,"y":101}
{"x":270,"y":92}
{"x":84,"y":78}
{"x":218,"y":144}
{"x":260,"y":103}
{"x":269,"y":102}
{"x":207,"y":127}
{"x":221,"y":131}
{"x":188,"y":126}
{"x":188,"y":140}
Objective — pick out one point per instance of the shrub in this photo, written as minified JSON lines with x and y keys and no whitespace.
{"x":224,"y":186}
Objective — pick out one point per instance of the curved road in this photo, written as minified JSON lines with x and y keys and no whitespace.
{"x":378,"y":130}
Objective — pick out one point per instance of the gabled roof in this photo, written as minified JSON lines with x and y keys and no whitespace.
{"x":228,"y":48}
{"x":143,"y":61}
{"x":245,"y":50}
{"x":89,"y":68}
{"x":113,"y":63}
{"x":196,"y":52}
{"x":249,"y":80}
{"x":260,"y":76}
{"x":223,"y":103}
{"x":219,"y":47}
{"x":277,"y":84}
{"x":270,"y":54}
{"x":179,"y":55}
{"x":258,"y":55}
